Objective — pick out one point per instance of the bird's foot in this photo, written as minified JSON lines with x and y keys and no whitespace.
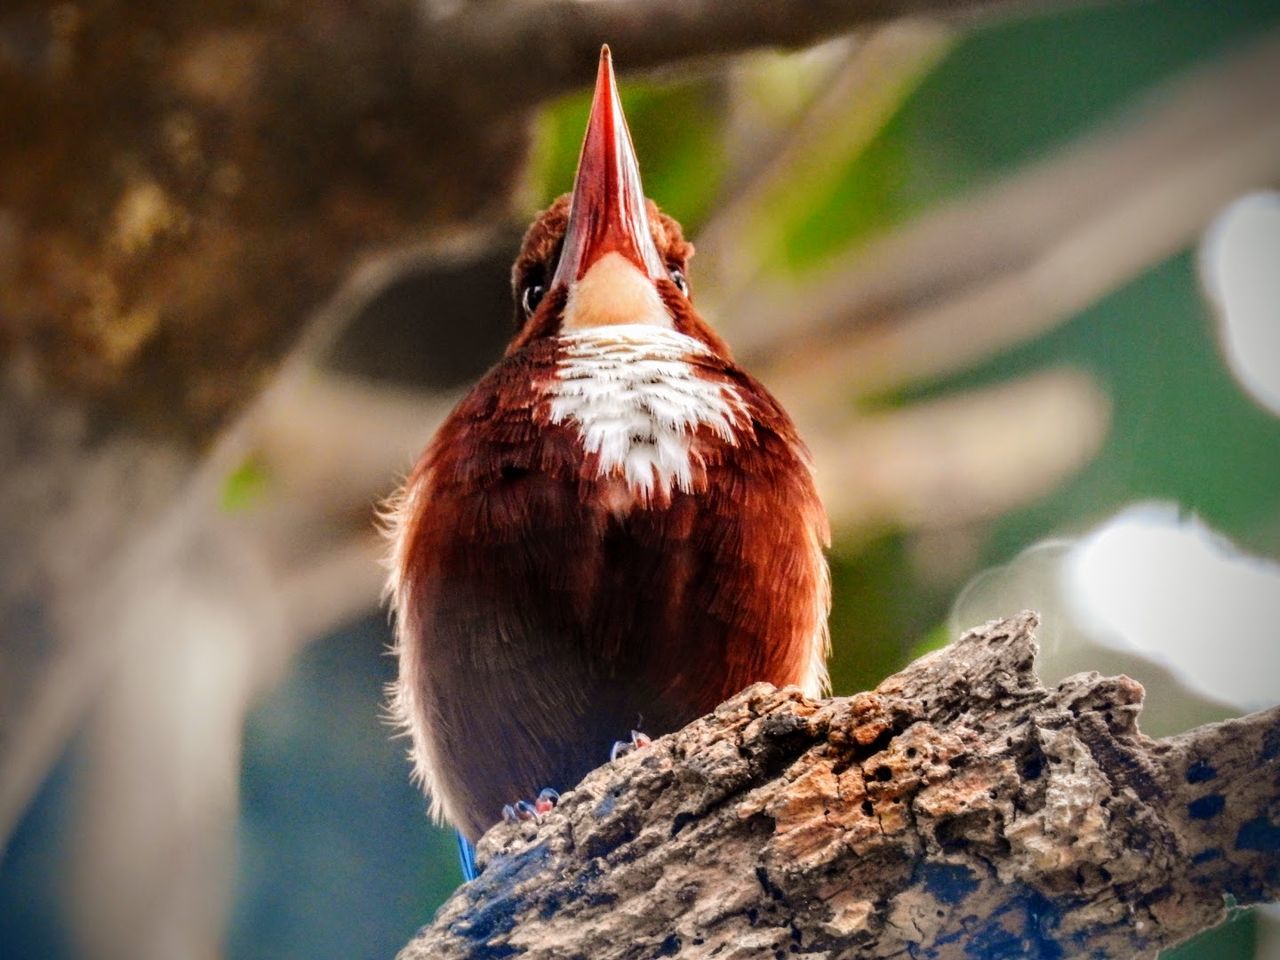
{"x":523,"y":810}
{"x":622,"y":747}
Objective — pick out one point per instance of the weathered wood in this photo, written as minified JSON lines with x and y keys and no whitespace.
{"x":959,"y":810}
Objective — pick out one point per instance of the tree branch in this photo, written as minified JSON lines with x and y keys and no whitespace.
{"x":1012,"y":261}
{"x":176,"y":162}
{"x":959,"y":809}
{"x":544,"y":45}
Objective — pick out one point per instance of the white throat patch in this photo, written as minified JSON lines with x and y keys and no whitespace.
{"x":638,"y":402}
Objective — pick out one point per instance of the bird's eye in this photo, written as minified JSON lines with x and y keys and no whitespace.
{"x":530,"y":297}
{"x":677,"y":277}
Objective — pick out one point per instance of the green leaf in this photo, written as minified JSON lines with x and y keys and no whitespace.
{"x":244,"y":485}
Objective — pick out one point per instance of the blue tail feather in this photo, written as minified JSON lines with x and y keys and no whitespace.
{"x":467,"y":856}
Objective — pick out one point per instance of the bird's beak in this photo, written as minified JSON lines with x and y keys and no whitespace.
{"x":607,"y":212}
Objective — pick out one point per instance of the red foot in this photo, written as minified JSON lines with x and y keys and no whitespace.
{"x":523,"y":810}
{"x":622,"y":747}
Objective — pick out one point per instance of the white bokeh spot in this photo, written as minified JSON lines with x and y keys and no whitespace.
{"x":1171,"y":589}
{"x":1240,"y":268}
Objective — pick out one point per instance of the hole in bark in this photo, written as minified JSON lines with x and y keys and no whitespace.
{"x":883,"y":773}
{"x":911,"y":753}
{"x":1258,"y":834}
{"x":1206,"y":808}
{"x":785,"y":738}
{"x":868,"y":808}
{"x":670,"y":946}
{"x":1032,"y":767}
{"x":681,"y":821}
{"x":1200,"y":771}
{"x":881,"y":742}
{"x":948,"y":883}
{"x":958,"y":832}
{"x":955,"y":763}
{"x":767,"y":886}
{"x":598,"y":846}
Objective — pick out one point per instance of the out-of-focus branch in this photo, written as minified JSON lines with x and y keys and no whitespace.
{"x":959,"y":284}
{"x":329,"y":447}
{"x":189,"y":185}
{"x":542,"y":45}
{"x":931,"y":464}
{"x":958,"y":810}
{"x":850,"y":107}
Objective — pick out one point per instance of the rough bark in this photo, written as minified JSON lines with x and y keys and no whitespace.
{"x":958,"y":810}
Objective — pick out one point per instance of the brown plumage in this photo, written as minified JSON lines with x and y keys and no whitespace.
{"x":616,"y":529}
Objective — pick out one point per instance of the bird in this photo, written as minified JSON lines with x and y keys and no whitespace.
{"x":615,"y":530}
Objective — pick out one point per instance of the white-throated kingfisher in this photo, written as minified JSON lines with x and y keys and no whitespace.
{"x":616,"y":529}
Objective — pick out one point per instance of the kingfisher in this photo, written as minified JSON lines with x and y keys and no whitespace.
{"x":615,"y":530}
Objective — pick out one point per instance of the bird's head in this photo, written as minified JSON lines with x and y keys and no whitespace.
{"x":605,"y":255}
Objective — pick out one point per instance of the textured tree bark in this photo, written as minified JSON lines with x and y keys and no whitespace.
{"x":958,"y":810}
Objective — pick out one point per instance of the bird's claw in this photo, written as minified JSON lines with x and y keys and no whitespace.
{"x":522,"y":811}
{"x":527,"y":811}
{"x":622,"y":747}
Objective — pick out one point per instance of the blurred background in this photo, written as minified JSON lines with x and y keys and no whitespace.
{"x":1013,"y":267}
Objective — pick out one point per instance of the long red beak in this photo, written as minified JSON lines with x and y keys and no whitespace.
{"x":607,"y":213}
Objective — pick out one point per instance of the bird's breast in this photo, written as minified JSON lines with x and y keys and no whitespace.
{"x":615,"y":523}
{"x":647,"y":405}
